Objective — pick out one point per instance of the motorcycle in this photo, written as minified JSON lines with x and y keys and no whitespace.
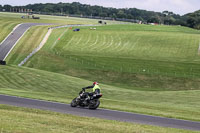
{"x":86,"y":99}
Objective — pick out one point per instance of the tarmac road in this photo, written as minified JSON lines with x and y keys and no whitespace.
{"x":100,"y":113}
{"x":7,"y":45}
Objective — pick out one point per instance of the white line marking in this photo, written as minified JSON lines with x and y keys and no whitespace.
{"x":11,"y":32}
{"x":16,"y":43}
{"x":38,"y":48}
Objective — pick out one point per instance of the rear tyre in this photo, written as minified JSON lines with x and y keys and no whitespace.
{"x":73,"y":103}
{"x":94,"y":104}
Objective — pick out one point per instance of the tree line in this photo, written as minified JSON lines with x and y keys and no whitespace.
{"x":166,"y":17}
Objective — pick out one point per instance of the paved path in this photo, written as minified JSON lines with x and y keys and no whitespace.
{"x":100,"y":113}
{"x":8,"y":44}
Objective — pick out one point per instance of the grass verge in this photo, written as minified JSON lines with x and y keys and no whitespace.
{"x":25,"y":120}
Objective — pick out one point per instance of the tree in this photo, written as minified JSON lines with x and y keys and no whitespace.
{"x":191,"y":22}
{"x":169,"y":20}
{"x":1,"y":7}
{"x":193,"y":19}
{"x":49,"y":8}
{"x":7,"y":7}
{"x":114,"y":16}
{"x":121,"y":14}
{"x":154,"y":19}
{"x":129,"y":16}
{"x":103,"y":14}
{"x":165,"y":13}
{"x":166,"y":17}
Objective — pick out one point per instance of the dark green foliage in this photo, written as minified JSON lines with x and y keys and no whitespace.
{"x":77,"y":8}
{"x":1,"y":7}
{"x":193,"y":19}
{"x":166,"y":17}
{"x":7,"y":7}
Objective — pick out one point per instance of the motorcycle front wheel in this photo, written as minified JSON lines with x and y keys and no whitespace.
{"x":73,"y":103}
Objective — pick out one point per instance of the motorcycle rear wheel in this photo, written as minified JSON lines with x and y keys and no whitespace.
{"x":94,"y":105}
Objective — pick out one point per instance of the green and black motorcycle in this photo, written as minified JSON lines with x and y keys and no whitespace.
{"x":86,"y":99}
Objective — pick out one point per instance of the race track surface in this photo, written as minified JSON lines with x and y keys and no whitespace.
{"x":7,"y":45}
{"x":100,"y":113}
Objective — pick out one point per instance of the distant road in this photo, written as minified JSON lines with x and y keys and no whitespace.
{"x":7,"y":45}
{"x":100,"y":113}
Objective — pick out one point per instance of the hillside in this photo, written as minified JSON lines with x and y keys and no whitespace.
{"x":141,"y":68}
{"x":130,"y":56}
{"x":116,"y":56}
{"x":33,"y":83}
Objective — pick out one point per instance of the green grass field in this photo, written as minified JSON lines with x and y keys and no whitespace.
{"x":141,"y":68}
{"x":33,"y":83}
{"x":36,"y":121}
{"x":168,"y":87}
{"x":131,"y":56}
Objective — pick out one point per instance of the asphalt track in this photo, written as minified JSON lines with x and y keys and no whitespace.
{"x":100,"y":113}
{"x":7,"y":45}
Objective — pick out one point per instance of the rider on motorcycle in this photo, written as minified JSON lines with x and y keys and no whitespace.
{"x":95,"y":91}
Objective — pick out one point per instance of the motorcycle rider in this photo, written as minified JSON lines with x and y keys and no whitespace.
{"x":95,"y":91}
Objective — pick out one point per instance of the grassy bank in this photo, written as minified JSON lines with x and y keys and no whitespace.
{"x":45,"y":85}
{"x":37,"y":121}
{"x":27,"y":44}
{"x":130,"y":56}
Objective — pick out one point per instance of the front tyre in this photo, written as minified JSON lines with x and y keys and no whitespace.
{"x":94,"y":104}
{"x":73,"y":103}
